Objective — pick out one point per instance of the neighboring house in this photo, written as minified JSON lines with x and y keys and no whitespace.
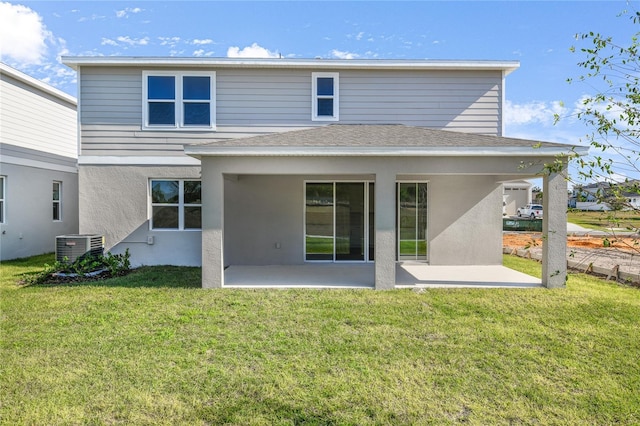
{"x":38,"y":165}
{"x":226,"y":162}
{"x":594,"y":196}
{"x":516,"y":194}
{"x":587,"y":197}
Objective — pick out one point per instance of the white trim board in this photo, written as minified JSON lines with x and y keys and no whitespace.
{"x":7,"y":159}
{"x":141,"y":161}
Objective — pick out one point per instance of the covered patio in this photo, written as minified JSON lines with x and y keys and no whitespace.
{"x":362,"y":276}
{"x":253,"y":207}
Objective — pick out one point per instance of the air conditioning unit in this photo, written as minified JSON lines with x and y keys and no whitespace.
{"x":73,"y":247}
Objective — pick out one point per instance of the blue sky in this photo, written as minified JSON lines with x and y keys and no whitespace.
{"x":539,"y":34}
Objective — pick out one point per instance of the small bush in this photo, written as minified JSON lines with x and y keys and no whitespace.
{"x":82,"y":269}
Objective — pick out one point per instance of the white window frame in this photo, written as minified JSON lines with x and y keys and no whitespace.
{"x":3,"y":199}
{"x":180,"y":204}
{"x":314,"y":96}
{"x":179,"y":101}
{"x":58,"y":201}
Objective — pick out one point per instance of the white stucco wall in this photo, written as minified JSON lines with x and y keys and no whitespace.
{"x":261,"y":211}
{"x":263,"y":206}
{"x":114,"y":202}
{"x":29,"y":228}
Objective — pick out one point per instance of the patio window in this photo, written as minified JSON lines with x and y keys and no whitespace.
{"x":57,"y":201}
{"x":412,"y":220}
{"x":176,"y":205}
{"x":180,"y":101}
{"x":324,"y":97}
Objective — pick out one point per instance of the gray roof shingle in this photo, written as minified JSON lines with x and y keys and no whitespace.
{"x":379,"y":140}
{"x":381,"y":135}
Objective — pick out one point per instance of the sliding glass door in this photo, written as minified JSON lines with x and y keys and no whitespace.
{"x":412,"y":221}
{"x":319,"y":218}
{"x":338,"y":221}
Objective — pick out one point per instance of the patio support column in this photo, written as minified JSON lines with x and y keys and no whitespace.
{"x":385,"y":227}
{"x":554,"y":230}
{"x":212,"y":225}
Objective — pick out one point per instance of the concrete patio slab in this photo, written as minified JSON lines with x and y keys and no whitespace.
{"x":409,"y":275}
{"x":329,"y":275}
{"x":350,"y":275}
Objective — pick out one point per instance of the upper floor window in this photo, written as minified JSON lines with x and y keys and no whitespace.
{"x":324,"y":97}
{"x":57,"y":200}
{"x":2,"y":199}
{"x":176,"y":204}
{"x":179,"y":100}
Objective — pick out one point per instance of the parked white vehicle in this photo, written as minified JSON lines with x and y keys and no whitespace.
{"x":534,"y":211}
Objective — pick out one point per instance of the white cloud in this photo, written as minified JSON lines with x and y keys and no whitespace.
{"x":24,"y":36}
{"x":124,"y":13}
{"x":359,"y":35}
{"x":108,"y":42}
{"x":537,"y":112}
{"x":169,"y":41}
{"x":608,"y":109}
{"x":133,"y":41}
{"x":343,"y":55}
{"x":202,"y":42}
{"x":253,"y":51}
{"x":93,"y":17}
{"x":125,"y":40}
{"x":202,"y":52}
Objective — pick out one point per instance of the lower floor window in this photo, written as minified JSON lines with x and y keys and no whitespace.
{"x":176,"y":204}
{"x":57,"y":200}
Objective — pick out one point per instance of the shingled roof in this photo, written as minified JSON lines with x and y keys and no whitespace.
{"x":359,"y":139}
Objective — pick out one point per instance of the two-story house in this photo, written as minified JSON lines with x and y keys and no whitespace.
{"x":38,"y":171}
{"x":230,"y":163}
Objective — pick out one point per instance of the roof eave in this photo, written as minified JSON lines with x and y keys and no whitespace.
{"x":427,"y":64}
{"x":275,"y":151}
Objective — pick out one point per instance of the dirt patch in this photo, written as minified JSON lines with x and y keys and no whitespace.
{"x":607,"y":256}
{"x":524,"y":239}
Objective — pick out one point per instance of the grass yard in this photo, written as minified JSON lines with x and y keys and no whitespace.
{"x":602,"y":221}
{"x":152,"y":348}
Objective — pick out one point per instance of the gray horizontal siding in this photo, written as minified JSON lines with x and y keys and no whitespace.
{"x":251,"y":102}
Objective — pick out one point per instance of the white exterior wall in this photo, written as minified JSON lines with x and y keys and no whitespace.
{"x":114,"y":202}
{"x":261,"y":211}
{"x":262,"y":207}
{"x":592,"y":206}
{"x":252,"y":102}
{"x":29,"y":228}
{"x":38,"y":145}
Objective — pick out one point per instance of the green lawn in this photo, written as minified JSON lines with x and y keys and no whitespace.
{"x":602,"y":221}
{"x":152,"y":348}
